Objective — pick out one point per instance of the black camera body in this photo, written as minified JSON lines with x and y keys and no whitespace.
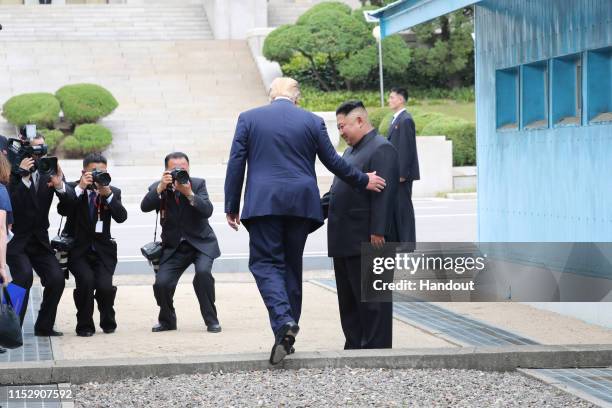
{"x":101,"y":177}
{"x":19,"y":149}
{"x":180,"y":175}
{"x":62,"y":243}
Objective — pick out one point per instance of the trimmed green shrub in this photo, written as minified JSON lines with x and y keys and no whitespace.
{"x":52,"y":138}
{"x":85,"y":103}
{"x":71,"y":146}
{"x":463,"y":135}
{"x":422,"y":119}
{"x":383,"y":128}
{"x":376,"y":115}
{"x":87,"y":138}
{"x":40,"y":108}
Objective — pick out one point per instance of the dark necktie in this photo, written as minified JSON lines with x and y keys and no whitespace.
{"x":92,"y":205}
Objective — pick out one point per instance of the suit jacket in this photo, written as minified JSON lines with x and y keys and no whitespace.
{"x":82,"y":227}
{"x":402,"y":135}
{"x":31,"y":211}
{"x":355,"y":215}
{"x":280,"y":142}
{"x":184,"y":221}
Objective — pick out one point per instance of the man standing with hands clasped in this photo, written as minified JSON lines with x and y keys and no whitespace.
{"x":402,"y":135}
{"x":187,"y":238}
{"x":355,"y":217}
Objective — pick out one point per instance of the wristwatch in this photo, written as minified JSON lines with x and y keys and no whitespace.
{"x":191,"y":198}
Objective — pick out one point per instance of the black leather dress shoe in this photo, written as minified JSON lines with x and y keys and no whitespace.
{"x":51,"y":333}
{"x":214,"y":328}
{"x":161,"y":328}
{"x":285,"y":338}
{"x":85,"y":333}
{"x":108,"y":331}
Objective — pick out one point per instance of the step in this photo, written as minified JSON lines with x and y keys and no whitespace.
{"x":104,"y":22}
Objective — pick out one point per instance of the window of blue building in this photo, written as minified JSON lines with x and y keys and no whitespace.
{"x":566,"y":90}
{"x":534,"y":92}
{"x":507,"y":98}
{"x":599,"y":85}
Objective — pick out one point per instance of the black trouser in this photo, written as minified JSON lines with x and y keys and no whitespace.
{"x":168,"y":276}
{"x":404,"y":216}
{"x":93,"y":280}
{"x":366,"y":325}
{"x":276,"y":245}
{"x":38,"y":257}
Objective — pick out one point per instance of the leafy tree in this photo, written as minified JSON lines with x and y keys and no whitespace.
{"x":445,"y":55}
{"x":336,"y":45}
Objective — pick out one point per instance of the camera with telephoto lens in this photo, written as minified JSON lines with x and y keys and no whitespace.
{"x":152,"y":252}
{"x":180,"y":175}
{"x":101,"y":177}
{"x":62,"y":244}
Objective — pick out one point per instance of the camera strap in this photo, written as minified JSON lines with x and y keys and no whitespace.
{"x":155,"y":233}
{"x":59,"y":229}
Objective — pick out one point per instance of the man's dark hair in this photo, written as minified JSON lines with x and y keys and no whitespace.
{"x":93,"y":158}
{"x":175,"y":155}
{"x":402,"y":92}
{"x":39,"y":136}
{"x":349,"y":106}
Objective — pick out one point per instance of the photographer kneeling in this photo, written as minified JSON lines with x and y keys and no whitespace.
{"x":34,"y":181}
{"x":93,"y":256}
{"x":187,"y":238}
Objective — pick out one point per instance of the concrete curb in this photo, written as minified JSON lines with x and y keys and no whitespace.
{"x":506,"y":358}
{"x":462,"y":196}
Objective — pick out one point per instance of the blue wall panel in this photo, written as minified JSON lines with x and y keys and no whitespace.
{"x":551,"y":184}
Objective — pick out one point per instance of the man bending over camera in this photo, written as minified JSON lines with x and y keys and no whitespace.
{"x":187,"y":238}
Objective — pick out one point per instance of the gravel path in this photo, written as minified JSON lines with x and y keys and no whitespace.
{"x":330,"y":388}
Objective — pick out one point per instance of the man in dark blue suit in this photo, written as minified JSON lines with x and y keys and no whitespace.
{"x":280,"y":142}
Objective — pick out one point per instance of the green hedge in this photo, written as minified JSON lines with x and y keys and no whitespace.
{"x":52,"y":138}
{"x":383,"y":128}
{"x":85,"y":103}
{"x":87,"y":139}
{"x":463,"y":135}
{"x":422,"y":119}
{"x":40,"y":108}
{"x":377,"y":115}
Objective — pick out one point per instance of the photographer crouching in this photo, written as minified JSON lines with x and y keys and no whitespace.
{"x":187,"y":238}
{"x":34,"y":180}
{"x":93,"y":256}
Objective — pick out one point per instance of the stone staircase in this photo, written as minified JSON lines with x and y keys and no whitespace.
{"x":288,"y":11}
{"x":174,"y":93}
{"x":120,"y":22}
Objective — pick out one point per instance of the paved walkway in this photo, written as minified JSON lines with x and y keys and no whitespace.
{"x":246,"y":328}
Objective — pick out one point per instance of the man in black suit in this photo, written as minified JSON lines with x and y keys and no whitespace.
{"x":93,"y":258}
{"x":358,"y":216}
{"x":187,"y":239}
{"x":31,"y":197}
{"x":402,"y":135}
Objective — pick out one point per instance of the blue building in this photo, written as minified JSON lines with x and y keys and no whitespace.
{"x":544,"y":119}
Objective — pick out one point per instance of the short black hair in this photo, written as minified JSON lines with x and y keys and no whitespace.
{"x":93,"y":158}
{"x":175,"y":155}
{"x":349,"y":106}
{"x":402,"y":92}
